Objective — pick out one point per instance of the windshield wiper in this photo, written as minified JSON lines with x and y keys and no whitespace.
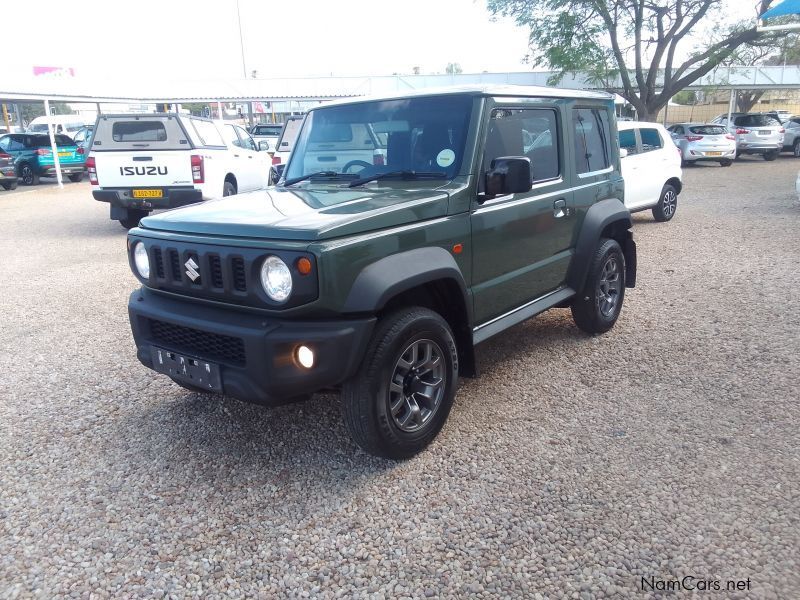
{"x":331,"y":174}
{"x":403,"y":174}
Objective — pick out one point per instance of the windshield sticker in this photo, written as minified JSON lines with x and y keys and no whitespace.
{"x":445,"y":158}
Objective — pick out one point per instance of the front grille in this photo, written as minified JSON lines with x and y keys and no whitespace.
{"x":202,"y":344}
{"x":239,"y":279}
{"x":218,"y":273}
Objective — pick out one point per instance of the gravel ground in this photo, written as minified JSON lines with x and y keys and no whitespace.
{"x":571,"y":468}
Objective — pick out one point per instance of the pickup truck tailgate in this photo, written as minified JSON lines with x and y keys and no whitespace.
{"x":142,"y":169}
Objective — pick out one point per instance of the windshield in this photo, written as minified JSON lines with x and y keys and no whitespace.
{"x":424,"y":134}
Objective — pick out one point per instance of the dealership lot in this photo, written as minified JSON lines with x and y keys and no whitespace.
{"x":573,"y":466}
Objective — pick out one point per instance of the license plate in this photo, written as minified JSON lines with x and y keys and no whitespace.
{"x":148,"y":193}
{"x":764,"y":133}
{"x":713,"y":153}
{"x":186,"y":369}
{"x":64,"y":154}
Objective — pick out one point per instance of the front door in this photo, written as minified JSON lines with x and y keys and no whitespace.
{"x":521,"y":242}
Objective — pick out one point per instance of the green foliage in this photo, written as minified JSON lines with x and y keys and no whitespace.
{"x":453,"y":69}
{"x":646,"y":50}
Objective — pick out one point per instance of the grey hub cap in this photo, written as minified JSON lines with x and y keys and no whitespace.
{"x":417,"y":385}
{"x":609,"y":287}
{"x":669,"y":203}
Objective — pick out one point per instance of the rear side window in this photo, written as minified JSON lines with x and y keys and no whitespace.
{"x":651,"y":140}
{"x":756,"y":121}
{"x":592,"y":143}
{"x":207,"y":133}
{"x":532,"y":133}
{"x":289,"y":135}
{"x":708,"y":130}
{"x":139,"y":131}
{"x":627,"y":141}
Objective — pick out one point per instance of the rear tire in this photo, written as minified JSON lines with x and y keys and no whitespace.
{"x":667,"y":204}
{"x":770,"y":156}
{"x":400,"y":398}
{"x":76,"y":178}
{"x":796,"y":148}
{"x":27,"y":175}
{"x":725,"y":162}
{"x":10,"y":186}
{"x":228,"y":189}
{"x":596,"y":308}
{"x":133,"y":218}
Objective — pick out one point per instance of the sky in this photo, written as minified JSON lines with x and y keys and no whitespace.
{"x":199,"y":39}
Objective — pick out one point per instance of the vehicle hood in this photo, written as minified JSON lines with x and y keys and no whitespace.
{"x":306,"y":215}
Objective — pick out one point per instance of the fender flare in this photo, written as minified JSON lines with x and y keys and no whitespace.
{"x":384,"y":279}
{"x":598,"y":217}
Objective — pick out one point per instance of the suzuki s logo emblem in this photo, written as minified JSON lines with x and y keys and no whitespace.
{"x":191,"y":269}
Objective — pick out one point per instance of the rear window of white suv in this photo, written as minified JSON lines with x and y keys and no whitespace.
{"x":138,"y":131}
{"x":756,"y":121}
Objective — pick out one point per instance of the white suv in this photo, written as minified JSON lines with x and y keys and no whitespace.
{"x":651,"y":167}
{"x":140,"y":163}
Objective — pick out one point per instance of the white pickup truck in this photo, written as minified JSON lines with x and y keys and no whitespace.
{"x":139,"y":163}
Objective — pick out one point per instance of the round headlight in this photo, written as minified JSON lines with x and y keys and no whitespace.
{"x":141,"y":260}
{"x":276,"y":279}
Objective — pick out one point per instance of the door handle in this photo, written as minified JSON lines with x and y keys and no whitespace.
{"x":560,"y":208}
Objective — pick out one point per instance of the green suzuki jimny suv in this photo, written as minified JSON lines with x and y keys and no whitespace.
{"x":403,"y":232}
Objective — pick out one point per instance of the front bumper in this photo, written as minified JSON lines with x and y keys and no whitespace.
{"x":172,"y":198}
{"x":255,"y":353}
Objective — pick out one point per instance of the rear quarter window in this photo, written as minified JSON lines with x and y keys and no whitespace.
{"x":138,"y":131}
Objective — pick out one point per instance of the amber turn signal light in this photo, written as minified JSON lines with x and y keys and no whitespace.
{"x":304,"y":266}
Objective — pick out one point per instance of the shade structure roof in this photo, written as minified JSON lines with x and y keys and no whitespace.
{"x":785,"y":8}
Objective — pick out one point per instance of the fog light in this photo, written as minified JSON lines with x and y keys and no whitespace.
{"x":305,"y":356}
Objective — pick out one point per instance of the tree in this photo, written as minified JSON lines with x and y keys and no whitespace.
{"x":453,"y":69}
{"x":643,"y":47}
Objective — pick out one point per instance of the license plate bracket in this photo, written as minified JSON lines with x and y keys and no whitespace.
{"x":186,"y":369}
{"x":713,"y":153}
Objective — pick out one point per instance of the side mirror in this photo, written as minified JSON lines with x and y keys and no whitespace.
{"x":509,"y":175}
{"x":263,"y":146}
{"x":623,"y":153}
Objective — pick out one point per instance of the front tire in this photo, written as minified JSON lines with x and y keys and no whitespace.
{"x":796,"y":148}
{"x":725,"y":162}
{"x":667,"y":204}
{"x":400,"y":398}
{"x":597,"y":307}
{"x":228,"y":189}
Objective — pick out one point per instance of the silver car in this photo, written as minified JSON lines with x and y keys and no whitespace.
{"x":755,"y":133}
{"x":791,"y":139}
{"x":704,"y":141}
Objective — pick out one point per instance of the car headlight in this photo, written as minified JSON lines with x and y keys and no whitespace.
{"x":276,"y":279}
{"x":141,"y":260}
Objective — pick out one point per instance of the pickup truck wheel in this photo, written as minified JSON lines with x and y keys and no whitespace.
{"x":402,"y":394}
{"x":596,"y":308}
{"x":75,"y":178}
{"x":228,"y":189}
{"x":27,"y":175}
{"x":133,"y":218}
{"x":667,"y":204}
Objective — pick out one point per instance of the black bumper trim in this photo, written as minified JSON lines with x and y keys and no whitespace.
{"x":173,"y":198}
{"x":270,"y":373}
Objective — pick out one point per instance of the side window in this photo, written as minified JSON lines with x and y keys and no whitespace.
{"x":651,"y":140}
{"x":627,"y":141}
{"x":4,"y":143}
{"x":592,"y":144}
{"x":677,"y":129}
{"x":529,"y":132}
{"x":80,"y":135}
{"x":230,"y":136}
{"x":16,"y":144}
{"x":246,"y":141}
